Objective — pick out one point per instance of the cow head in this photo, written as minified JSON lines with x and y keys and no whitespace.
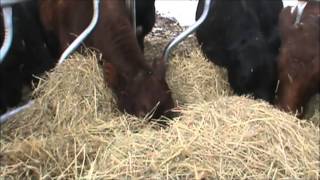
{"x":298,"y":62}
{"x":142,"y":93}
{"x":251,"y":61}
{"x":299,"y":79}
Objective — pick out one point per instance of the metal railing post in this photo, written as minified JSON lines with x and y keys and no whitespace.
{"x":173,"y":43}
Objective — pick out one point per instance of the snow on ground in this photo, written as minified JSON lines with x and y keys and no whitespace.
{"x":184,"y":10}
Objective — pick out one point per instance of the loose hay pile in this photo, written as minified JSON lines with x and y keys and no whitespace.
{"x":75,"y":131}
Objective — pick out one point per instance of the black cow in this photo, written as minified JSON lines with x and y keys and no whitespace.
{"x":243,"y":36}
{"x":28,"y":56}
{"x":145,"y":19}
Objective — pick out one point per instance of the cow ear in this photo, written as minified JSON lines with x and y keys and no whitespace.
{"x":159,"y":68}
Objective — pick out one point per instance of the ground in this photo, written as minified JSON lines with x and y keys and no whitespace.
{"x":162,"y":33}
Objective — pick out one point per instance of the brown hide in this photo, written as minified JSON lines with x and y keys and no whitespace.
{"x":137,"y":85}
{"x":299,"y":60}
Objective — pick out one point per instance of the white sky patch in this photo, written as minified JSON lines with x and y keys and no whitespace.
{"x":184,"y":10}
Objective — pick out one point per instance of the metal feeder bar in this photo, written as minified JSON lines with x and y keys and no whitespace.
{"x":173,"y":43}
{"x":65,"y":54}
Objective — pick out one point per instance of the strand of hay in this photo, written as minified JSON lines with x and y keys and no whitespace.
{"x":74,"y":131}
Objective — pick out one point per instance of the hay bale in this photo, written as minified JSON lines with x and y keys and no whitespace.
{"x":194,"y":79}
{"x":75,"y":131}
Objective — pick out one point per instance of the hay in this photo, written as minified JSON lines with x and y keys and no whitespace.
{"x":196,"y":80}
{"x":74,"y":131}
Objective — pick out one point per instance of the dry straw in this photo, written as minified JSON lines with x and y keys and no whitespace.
{"x":74,"y":131}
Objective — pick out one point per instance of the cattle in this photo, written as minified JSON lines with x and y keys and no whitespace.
{"x":145,"y":19}
{"x":299,"y":59}
{"x":27,"y":58}
{"x":139,"y":86}
{"x":243,"y":37}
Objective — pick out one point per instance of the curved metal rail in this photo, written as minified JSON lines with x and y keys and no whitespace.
{"x":76,"y":43}
{"x":4,"y":3}
{"x":131,"y":5}
{"x":6,"y":6}
{"x":13,"y":112}
{"x":8,"y":32}
{"x":173,"y":43}
{"x":65,"y":54}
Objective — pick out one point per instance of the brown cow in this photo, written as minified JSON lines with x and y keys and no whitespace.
{"x":138,"y":86}
{"x":299,"y":59}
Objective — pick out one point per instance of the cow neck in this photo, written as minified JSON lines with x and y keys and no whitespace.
{"x":120,"y":46}
{"x":127,"y":56}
